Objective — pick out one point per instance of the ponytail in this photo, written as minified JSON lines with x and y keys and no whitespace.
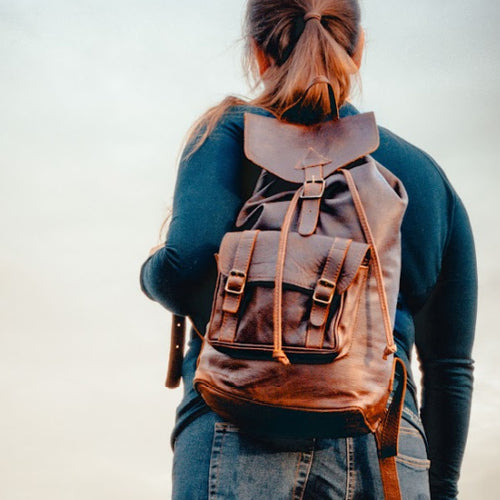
{"x":303,"y":40}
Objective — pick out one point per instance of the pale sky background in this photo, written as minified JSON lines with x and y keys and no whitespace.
{"x":95,"y":98}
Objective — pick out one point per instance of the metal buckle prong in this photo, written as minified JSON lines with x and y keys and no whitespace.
{"x":326,"y":286}
{"x":235,"y":283}
{"x":312,"y":182}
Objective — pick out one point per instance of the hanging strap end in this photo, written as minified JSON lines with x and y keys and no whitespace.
{"x":390,"y":349}
{"x":281,"y":357}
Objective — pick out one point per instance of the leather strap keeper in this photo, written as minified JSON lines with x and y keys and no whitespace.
{"x":312,"y":192}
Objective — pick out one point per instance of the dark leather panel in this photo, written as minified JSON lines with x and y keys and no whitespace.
{"x":333,"y":144}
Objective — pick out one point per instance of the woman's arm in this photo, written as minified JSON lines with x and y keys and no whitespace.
{"x":207,"y":198}
{"x":444,"y":337}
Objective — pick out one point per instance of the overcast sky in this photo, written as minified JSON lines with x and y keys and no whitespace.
{"x":95,"y":99}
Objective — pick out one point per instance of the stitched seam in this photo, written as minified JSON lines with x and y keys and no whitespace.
{"x":419,"y":463}
{"x":409,"y":432}
{"x":214,"y":302}
{"x":227,"y":427}
{"x":350,"y":465}
{"x":349,"y":332}
{"x":295,"y":477}
{"x":213,"y":492}
{"x":233,"y":323}
{"x":337,"y":274}
{"x":302,"y":210}
{"x":325,"y":274}
{"x":306,"y":479}
{"x":242,"y":259}
{"x":414,"y":419}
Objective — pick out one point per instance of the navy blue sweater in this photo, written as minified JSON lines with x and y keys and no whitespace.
{"x":437,"y":303}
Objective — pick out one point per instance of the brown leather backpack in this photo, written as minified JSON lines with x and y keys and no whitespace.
{"x":300,"y":338}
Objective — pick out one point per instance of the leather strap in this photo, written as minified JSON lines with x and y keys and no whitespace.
{"x":235,"y":285}
{"x":314,"y":187}
{"x":391,"y":346}
{"x":278,"y":352}
{"x":176,"y":355}
{"x":324,"y":292}
{"x":387,"y":436}
{"x":318,"y":80}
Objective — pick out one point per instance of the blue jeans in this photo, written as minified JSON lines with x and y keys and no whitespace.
{"x":214,"y":460}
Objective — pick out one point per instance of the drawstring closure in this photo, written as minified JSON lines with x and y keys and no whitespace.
{"x":278,"y":352}
{"x":391,"y":347}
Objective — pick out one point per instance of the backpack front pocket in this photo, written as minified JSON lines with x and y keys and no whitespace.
{"x":323,"y":280}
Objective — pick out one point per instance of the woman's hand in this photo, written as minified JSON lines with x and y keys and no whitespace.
{"x":155,"y":249}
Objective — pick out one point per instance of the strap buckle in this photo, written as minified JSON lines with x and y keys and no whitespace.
{"x":235,"y":283}
{"x":324,"y":291}
{"x":313,"y":189}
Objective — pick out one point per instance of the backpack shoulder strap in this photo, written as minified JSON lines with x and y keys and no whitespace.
{"x":176,"y":356}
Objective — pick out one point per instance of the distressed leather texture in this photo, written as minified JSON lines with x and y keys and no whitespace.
{"x":338,"y":277}
{"x":333,"y":144}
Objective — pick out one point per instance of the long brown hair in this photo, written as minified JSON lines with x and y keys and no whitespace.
{"x":298,"y":49}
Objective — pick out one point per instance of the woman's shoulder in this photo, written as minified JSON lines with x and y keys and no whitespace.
{"x":424,"y":179}
{"x":224,"y":121}
{"x":428,"y":187}
{"x":231,"y":111}
{"x":409,"y":162}
{"x":430,"y":215}
{"x":407,"y":158}
{"x":232,"y":115}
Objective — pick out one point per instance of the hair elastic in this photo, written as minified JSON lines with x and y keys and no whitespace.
{"x":312,"y":15}
{"x":298,"y":29}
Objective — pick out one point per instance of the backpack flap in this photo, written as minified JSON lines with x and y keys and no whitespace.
{"x":286,"y":149}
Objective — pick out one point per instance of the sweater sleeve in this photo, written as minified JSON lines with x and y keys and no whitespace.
{"x":207,"y":197}
{"x":444,"y":337}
